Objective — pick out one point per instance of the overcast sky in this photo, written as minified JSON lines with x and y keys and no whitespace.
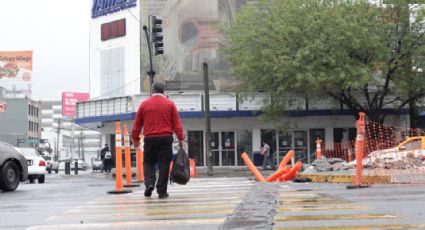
{"x":58,"y":33}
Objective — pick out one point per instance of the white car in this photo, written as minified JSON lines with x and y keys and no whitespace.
{"x":36,"y":164}
{"x":51,"y":164}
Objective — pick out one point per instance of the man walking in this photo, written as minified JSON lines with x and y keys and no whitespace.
{"x":159,"y":119}
{"x":265,"y":151}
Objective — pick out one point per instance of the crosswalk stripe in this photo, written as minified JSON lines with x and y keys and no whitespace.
{"x":279,"y":218}
{"x":201,"y":202}
{"x":131,"y":224}
{"x":162,"y":208}
{"x":113,"y":215}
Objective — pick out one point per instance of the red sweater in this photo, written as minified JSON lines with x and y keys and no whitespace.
{"x":159,"y":117}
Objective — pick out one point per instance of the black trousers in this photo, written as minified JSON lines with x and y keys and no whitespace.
{"x":157,"y":150}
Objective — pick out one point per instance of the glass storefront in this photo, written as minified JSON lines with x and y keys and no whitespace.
{"x":244,"y":144}
{"x":196,"y":146}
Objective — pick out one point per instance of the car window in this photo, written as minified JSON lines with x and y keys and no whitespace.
{"x":29,"y":152}
{"x":47,"y":158}
{"x":413,"y":144}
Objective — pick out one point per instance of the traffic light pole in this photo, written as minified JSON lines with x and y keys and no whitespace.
{"x":150,"y":73}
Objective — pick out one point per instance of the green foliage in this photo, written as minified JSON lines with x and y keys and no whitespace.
{"x":350,"y":50}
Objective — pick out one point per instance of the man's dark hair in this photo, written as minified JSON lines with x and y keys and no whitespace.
{"x":158,"y":87}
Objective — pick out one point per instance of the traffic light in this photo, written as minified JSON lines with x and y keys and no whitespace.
{"x":157,"y":36}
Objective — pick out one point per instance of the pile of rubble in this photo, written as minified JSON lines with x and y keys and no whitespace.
{"x":328,"y":164}
{"x":406,"y":163}
{"x":337,"y":164}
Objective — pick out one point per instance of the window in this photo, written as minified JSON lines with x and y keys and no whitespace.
{"x":412,"y":145}
{"x":113,"y":30}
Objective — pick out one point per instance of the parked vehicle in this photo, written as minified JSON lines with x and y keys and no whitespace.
{"x":13,"y":168}
{"x":52,"y":165}
{"x":36,"y":164}
{"x":81,"y":165}
{"x":97,"y":164}
{"x":412,"y":148}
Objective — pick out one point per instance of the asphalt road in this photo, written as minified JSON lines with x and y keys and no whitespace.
{"x":81,"y":202}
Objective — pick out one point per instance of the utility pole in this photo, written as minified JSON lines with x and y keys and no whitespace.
{"x":58,"y":130}
{"x":207,"y":121}
{"x":151,"y":73}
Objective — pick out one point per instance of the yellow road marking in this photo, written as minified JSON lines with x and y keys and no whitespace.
{"x":334,"y":217}
{"x":320,"y":208}
{"x":311,"y":199}
{"x":311,"y":202}
{"x":360,"y":227}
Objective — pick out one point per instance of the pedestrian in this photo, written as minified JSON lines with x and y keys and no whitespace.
{"x":102,"y":156}
{"x":108,"y":161}
{"x":265,"y":151}
{"x":159,"y":119}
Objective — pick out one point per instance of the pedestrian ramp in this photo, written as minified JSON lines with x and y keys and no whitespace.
{"x":204,"y":203}
{"x":317,"y":210}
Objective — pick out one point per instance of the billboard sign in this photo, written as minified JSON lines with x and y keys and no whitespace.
{"x":16,"y":65}
{"x":69,"y":101}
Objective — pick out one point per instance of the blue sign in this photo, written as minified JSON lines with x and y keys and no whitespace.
{"x":104,"y":7}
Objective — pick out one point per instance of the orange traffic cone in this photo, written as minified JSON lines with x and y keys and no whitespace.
{"x":118,"y":157}
{"x":128,"y":170}
{"x":192,"y":164}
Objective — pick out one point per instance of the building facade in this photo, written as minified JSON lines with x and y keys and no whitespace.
{"x":20,"y":122}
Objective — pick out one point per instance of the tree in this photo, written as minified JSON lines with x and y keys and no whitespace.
{"x":352,"y":51}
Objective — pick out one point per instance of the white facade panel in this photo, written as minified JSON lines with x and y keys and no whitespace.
{"x":129,"y":56}
{"x":222,"y":102}
{"x":187,"y":102}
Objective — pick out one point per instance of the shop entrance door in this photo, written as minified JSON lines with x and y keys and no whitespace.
{"x":285,"y":144}
{"x":224,"y":148}
{"x":301,"y":146}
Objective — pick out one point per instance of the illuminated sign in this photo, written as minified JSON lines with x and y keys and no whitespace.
{"x":104,"y":7}
{"x":2,"y":106}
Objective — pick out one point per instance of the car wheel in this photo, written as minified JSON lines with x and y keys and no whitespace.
{"x":49,"y":170}
{"x":10,"y":176}
{"x":41,"y":179}
{"x":31,"y":180}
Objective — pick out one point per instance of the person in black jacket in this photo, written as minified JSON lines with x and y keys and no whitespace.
{"x":102,"y":156}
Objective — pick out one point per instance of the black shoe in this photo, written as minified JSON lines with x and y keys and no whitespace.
{"x":163,"y":195}
{"x":148,"y":191}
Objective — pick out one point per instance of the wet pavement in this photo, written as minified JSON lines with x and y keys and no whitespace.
{"x":81,"y":202}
